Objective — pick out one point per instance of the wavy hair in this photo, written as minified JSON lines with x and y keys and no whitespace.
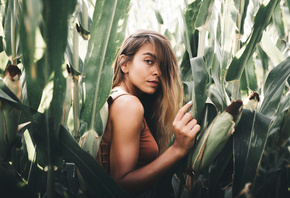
{"x":168,"y":97}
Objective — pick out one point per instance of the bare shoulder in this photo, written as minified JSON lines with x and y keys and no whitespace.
{"x":127,"y":105}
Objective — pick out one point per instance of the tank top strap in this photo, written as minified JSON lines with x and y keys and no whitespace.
{"x":116,"y":93}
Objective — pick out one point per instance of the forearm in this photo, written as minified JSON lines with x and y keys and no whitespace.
{"x":146,"y":176}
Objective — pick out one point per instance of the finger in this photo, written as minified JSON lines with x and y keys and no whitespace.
{"x":195,"y":129}
{"x":186,"y":118}
{"x":183,"y":110}
{"x":190,"y":124}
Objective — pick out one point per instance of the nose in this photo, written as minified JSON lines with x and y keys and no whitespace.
{"x":156,"y":71}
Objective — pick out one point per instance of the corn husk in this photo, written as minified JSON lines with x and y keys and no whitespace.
{"x":252,"y":101}
{"x":215,"y":136}
{"x":90,"y":142}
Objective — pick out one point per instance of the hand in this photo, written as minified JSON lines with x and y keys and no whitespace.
{"x":185,"y":129}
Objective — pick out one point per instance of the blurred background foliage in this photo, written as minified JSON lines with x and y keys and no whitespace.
{"x":56,"y":61}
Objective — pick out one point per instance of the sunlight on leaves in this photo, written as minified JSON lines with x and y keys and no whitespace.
{"x":29,"y":146}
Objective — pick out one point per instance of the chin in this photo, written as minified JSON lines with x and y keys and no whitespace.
{"x":151,"y":91}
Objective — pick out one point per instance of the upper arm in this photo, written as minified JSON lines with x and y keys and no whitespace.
{"x":127,"y":115}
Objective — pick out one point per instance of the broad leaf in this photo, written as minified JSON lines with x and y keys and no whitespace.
{"x":280,"y":126}
{"x":244,"y":14}
{"x":217,"y":75}
{"x":271,"y":50}
{"x":249,"y":78}
{"x":190,"y":39}
{"x":274,"y":87}
{"x":94,"y":175}
{"x":203,"y":13}
{"x":34,"y":73}
{"x":260,"y":23}
{"x":200,"y":87}
{"x":273,"y":169}
{"x":55,"y":37}
{"x":249,"y":143}
{"x":10,"y":15}
{"x":263,"y":57}
{"x":220,"y":167}
{"x":107,"y":34}
{"x":29,"y":24}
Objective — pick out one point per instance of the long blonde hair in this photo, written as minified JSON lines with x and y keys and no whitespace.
{"x":168,"y":97}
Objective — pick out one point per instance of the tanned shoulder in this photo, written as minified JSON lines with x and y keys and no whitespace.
{"x":128,"y":106}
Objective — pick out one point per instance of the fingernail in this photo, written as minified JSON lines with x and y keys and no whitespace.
{"x":190,"y":102}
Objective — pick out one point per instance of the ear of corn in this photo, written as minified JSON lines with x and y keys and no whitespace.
{"x":12,"y":80}
{"x":252,"y":101}
{"x":215,"y":136}
{"x":90,"y":142}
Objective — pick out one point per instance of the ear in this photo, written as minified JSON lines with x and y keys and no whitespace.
{"x":124,"y":66}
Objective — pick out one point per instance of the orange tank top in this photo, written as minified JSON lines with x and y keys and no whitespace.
{"x":148,"y":147}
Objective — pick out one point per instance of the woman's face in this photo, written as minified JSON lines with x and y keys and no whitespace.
{"x":142,"y":74}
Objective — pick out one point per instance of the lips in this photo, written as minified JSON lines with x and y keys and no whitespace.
{"x":154,"y":83}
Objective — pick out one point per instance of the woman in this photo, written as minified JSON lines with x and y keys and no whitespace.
{"x":145,"y":84}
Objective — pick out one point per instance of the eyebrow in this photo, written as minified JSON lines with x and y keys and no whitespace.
{"x":150,"y":54}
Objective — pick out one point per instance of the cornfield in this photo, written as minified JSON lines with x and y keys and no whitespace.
{"x":56,"y":73}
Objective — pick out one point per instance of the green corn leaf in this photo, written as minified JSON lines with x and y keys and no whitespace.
{"x":92,"y":172}
{"x":1,"y":44}
{"x":187,"y":91}
{"x":217,"y":75}
{"x":249,"y":143}
{"x":190,"y":39}
{"x":274,"y":86}
{"x":158,"y":16}
{"x":203,"y":13}
{"x":28,"y":25}
{"x":244,"y":14}
{"x":271,"y":50}
{"x":272,"y":170}
{"x":107,"y":34}
{"x":55,"y":16}
{"x":249,"y":77}
{"x":216,"y":99}
{"x":280,"y":126}
{"x":285,"y":132}
{"x":277,"y":19}
{"x":34,"y":75}
{"x":9,"y":119}
{"x":55,"y":32}
{"x":220,"y":168}
{"x":38,"y":132}
{"x":200,"y":88}
{"x":7,"y":27}
{"x":261,"y":21}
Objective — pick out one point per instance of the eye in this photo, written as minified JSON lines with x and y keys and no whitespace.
{"x":150,"y":62}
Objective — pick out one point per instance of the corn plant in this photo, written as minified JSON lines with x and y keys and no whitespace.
{"x":223,"y":63}
{"x":40,"y":154}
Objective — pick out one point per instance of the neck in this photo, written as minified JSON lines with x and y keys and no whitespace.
{"x":128,"y":87}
